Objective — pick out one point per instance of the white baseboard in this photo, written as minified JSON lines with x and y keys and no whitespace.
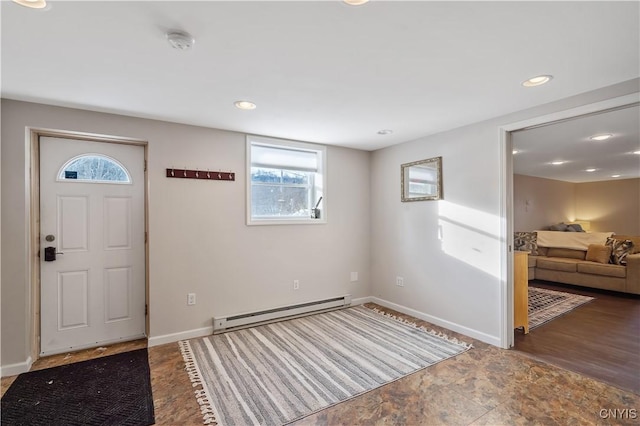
{"x":183,"y":335}
{"x":206,"y":331}
{"x":361,"y":300}
{"x":483,"y":337}
{"x":15,"y":369}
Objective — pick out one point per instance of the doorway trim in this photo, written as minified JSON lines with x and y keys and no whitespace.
{"x":33,"y":232}
{"x":506,"y":194}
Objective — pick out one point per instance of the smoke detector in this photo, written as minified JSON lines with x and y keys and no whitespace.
{"x":180,"y":40}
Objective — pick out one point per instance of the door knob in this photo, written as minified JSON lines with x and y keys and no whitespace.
{"x":50,"y":254}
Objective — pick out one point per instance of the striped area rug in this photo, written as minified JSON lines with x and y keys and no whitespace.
{"x":546,"y":305}
{"x":278,"y":373}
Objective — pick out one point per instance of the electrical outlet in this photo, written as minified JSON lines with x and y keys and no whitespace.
{"x":354,"y":276}
{"x":191,"y":299}
{"x":296,"y":284}
{"x":400,"y":281}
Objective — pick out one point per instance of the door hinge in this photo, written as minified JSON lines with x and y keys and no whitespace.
{"x":145,"y":237}
{"x":145,"y":165}
{"x":146,"y":309}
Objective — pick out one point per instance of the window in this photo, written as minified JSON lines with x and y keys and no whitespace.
{"x":94,"y":168}
{"x":285,"y":182}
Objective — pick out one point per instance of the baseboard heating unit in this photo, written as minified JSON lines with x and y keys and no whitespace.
{"x":222,"y":324}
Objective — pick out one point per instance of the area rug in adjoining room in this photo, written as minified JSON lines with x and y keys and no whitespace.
{"x":277,"y":373}
{"x":546,"y":305}
{"x":111,"y":390}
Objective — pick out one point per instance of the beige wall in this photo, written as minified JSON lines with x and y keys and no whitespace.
{"x":539,"y":202}
{"x":609,"y":206}
{"x":198,"y":239}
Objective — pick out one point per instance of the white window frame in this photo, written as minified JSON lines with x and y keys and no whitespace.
{"x":321,"y":151}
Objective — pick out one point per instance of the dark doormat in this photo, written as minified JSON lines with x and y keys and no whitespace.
{"x":112,"y":390}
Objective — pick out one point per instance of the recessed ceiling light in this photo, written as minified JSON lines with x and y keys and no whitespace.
{"x":33,"y":4}
{"x":180,"y":40}
{"x":515,"y":151}
{"x":557,"y":163}
{"x":636,"y":152}
{"x":355,"y":2}
{"x":614,"y":176}
{"x":590,"y":170}
{"x":537,"y":81}
{"x":245,"y":105}
{"x":385,"y":132}
{"x":602,"y":137}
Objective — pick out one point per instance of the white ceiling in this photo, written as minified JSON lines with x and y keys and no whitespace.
{"x":570,"y":141}
{"x":319,"y":71}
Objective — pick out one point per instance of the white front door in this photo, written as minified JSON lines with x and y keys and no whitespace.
{"x":92,"y":222}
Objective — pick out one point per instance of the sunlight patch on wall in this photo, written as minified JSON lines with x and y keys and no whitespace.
{"x":471,"y":236}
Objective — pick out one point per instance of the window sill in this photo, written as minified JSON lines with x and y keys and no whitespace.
{"x":287,"y":221}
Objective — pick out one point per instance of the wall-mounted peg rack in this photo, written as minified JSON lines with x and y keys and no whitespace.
{"x":200,"y":174}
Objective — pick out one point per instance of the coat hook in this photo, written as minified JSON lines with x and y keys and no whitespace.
{"x":197,"y":174}
{"x":219,"y":175}
{"x":208,"y":174}
{"x":185,"y":171}
{"x":172,"y":173}
{"x":230,"y":173}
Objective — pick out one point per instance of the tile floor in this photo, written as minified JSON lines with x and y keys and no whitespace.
{"x":483,"y":386}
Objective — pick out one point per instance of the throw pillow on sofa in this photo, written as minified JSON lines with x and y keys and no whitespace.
{"x":599,"y":253}
{"x":558,"y":227}
{"x":619,"y":250}
{"x":566,"y":227}
{"x":526,"y":241}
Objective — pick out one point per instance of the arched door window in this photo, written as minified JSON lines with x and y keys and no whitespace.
{"x":96,"y":168}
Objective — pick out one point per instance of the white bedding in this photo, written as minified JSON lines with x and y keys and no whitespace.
{"x":571,"y":240}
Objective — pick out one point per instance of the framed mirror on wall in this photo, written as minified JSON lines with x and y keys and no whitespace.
{"x":422,"y":180}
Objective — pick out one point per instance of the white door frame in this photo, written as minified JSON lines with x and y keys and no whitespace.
{"x":506,"y":196}
{"x":33,"y":232}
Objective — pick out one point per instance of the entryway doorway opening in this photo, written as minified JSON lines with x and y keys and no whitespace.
{"x":621,"y":307}
{"x":507,"y":200}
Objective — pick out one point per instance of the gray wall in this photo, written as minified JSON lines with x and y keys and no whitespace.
{"x":449,"y":251}
{"x":198,"y":239}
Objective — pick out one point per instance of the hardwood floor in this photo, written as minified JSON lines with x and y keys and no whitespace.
{"x":600,"y":339}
